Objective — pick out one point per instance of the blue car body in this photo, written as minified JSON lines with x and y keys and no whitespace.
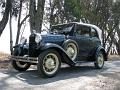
{"x":87,"y":46}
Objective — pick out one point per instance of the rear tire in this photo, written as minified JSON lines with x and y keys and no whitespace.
{"x":99,"y":60}
{"x":49,"y":63}
{"x":71,"y":49}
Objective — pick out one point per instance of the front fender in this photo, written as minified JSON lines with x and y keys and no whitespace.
{"x":26,"y":46}
{"x":61,"y":51}
{"x":100,"y":48}
{"x":20,"y":49}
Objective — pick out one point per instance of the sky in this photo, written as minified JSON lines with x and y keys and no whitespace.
{"x":5,"y":37}
{"x":4,"y":41}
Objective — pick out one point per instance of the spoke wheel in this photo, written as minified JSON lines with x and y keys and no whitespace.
{"x":49,"y":63}
{"x":99,"y":63}
{"x":71,"y":50}
{"x":19,"y":65}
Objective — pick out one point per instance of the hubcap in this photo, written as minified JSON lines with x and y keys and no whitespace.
{"x":71,"y":51}
{"x":100,"y":60}
{"x":50,"y":63}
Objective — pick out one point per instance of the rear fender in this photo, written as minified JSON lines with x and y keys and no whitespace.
{"x":100,"y":48}
{"x":61,"y":51}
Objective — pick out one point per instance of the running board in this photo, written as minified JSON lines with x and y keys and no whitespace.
{"x":24,"y":59}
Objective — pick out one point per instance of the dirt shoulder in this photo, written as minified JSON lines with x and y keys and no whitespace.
{"x":114,"y":57}
{"x":5,"y":62}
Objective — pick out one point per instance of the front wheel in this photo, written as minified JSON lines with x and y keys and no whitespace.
{"x":99,"y":60}
{"x":49,"y":63}
{"x":20,"y":66}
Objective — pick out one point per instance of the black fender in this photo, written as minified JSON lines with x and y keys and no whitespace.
{"x":61,"y":51}
{"x":21,"y":49}
{"x":100,"y":48}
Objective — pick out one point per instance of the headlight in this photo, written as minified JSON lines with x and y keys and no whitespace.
{"x":38,"y":38}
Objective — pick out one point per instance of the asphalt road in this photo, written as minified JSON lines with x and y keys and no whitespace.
{"x":84,"y":77}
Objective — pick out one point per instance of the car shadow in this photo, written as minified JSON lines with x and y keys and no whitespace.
{"x":32,"y":77}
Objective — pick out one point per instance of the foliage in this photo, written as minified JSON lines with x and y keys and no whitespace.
{"x":15,"y":7}
{"x":103,"y":13}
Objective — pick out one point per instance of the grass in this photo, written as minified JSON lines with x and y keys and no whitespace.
{"x":114,"y":57}
{"x":3,"y":56}
{"x":4,"y":61}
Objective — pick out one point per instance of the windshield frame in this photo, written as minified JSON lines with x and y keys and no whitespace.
{"x":63,"y":28}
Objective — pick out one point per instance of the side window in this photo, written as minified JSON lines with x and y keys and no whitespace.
{"x":83,"y":30}
{"x":94,"y":32}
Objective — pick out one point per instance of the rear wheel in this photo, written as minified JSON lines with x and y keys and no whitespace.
{"x":99,"y":60}
{"x":49,"y":63}
{"x":19,"y":65}
{"x":71,"y":49}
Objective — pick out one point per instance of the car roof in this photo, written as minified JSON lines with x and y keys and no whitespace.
{"x":80,"y":23}
{"x":99,"y":31}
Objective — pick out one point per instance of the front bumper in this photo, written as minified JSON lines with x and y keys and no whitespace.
{"x":31,"y":60}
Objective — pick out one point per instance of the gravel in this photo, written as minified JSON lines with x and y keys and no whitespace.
{"x":84,"y":77}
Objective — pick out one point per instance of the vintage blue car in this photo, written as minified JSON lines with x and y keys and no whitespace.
{"x":70,"y":43}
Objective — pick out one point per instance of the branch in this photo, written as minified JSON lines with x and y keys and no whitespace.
{"x":111,"y":31}
{"x":24,"y":20}
{"x":5,"y":18}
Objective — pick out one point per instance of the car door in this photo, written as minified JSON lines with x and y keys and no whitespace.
{"x":94,"y":40}
{"x":82,"y":37}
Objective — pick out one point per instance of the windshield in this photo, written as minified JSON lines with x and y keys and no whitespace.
{"x":65,"y":28}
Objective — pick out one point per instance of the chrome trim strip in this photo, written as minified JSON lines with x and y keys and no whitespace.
{"x":24,"y":59}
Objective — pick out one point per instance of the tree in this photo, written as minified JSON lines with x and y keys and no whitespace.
{"x":36,"y":14}
{"x":5,"y":18}
{"x":20,"y":22}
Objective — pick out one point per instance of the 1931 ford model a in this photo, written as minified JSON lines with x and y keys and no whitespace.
{"x":70,"y":43}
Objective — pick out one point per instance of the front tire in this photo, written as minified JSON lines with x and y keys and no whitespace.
{"x":99,"y":60}
{"x":49,"y":63}
{"x":19,"y":65}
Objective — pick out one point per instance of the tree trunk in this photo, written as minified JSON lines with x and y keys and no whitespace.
{"x":118,"y":44}
{"x":111,"y":42}
{"x":5,"y":18}
{"x":51,"y":12}
{"x":36,"y":15}
{"x":118,"y":47}
{"x":39,"y":15}
{"x":11,"y":39}
{"x":32,"y":12}
{"x":19,"y":27}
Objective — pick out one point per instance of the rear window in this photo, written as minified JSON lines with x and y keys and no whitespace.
{"x":83,"y":30}
{"x":94,"y":32}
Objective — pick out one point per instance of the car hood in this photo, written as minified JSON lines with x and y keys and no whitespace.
{"x":51,"y":38}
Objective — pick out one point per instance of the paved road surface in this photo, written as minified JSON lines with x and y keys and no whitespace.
{"x":75,"y":78}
